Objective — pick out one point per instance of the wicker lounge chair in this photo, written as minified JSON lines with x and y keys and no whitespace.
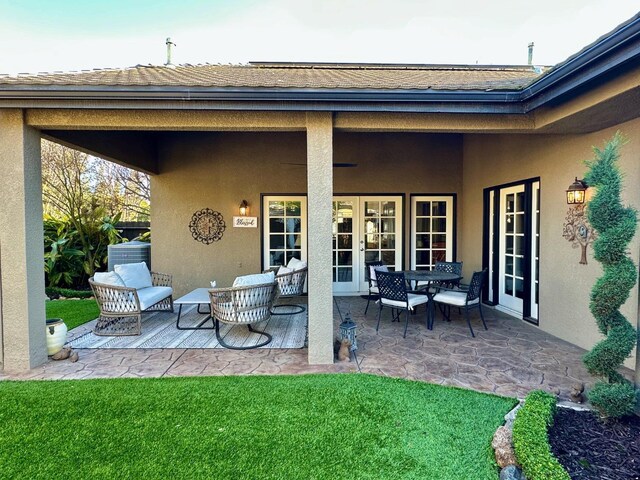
{"x":121,"y":307}
{"x":244,"y":305}
{"x":290,"y":284}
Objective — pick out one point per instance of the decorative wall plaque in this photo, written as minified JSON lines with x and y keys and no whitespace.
{"x":207,"y":226}
{"x":577,"y":230}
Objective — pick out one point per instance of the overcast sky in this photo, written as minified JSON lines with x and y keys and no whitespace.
{"x":50,"y":35}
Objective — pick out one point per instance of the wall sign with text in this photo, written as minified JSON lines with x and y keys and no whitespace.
{"x":245,"y":222}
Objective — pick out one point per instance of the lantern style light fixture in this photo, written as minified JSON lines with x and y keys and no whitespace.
{"x":244,"y":208}
{"x":576,"y":192}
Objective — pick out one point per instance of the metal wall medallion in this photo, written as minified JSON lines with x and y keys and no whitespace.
{"x":207,"y":226}
{"x":577,"y":230}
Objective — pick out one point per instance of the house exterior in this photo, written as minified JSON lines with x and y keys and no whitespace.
{"x":340,"y":164}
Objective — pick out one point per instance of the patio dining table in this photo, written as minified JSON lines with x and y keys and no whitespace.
{"x":414,"y":277}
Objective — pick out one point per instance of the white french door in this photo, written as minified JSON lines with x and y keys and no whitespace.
{"x":432,"y":231}
{"x":346,"y":235}
{"x":380,"y":233}
{"x":535,"y":249}
{"x":365,"y":228}
{"x":284,"y":230}
{"x":512,"y":249}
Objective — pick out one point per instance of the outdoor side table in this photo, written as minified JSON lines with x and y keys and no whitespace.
{"x":199,"y":297}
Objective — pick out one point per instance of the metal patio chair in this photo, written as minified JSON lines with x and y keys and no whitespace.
{"x":468,"y":298}
{"x":372,"y":267}
{"x":393,"y":294}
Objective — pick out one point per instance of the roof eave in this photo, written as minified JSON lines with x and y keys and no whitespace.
{"x":607,"y":54}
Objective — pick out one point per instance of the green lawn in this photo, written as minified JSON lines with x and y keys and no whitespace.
{"x":350,"y":426}
{"x":73,"y":312}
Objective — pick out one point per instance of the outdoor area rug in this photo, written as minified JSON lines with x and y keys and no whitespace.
{"x":159,"y":331}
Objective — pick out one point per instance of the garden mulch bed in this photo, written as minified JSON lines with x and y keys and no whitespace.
{"x":590,"y":449}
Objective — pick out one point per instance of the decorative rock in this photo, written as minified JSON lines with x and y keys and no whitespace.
{"x":502,"y":444}
{"x":510,"y":417}
{"x":74,"y":357}
{"x":62,"y":354}
{"x":511,"y":472}
{"x":576,"y":393}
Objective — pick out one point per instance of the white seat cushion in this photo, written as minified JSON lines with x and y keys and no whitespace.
{"x":453,"y":298}
{"x":413,"y":299}
{"x":254,"y":279}
{"x":374,"y":289}
{"x":134,"y":275}
{"x":108,"y":278}
{"x":151,"y":295}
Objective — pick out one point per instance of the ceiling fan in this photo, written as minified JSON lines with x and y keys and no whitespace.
{"x":335,"y":164}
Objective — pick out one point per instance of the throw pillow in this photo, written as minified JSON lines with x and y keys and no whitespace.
{"x":108,"y":278}
{"x":134,"y":275}
{"x":296,"y":264}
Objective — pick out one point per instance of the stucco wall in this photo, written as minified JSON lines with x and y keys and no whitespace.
{"x":218,"y":170}
{"x":491,"y":160}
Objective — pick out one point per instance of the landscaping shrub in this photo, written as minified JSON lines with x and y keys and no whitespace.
{"x":56,"y":292}
{"x":531,"y":441}
{"x":616,"y":226}
{"x":75,"y":248}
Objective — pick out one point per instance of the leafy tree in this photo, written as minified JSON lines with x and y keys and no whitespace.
{"x":616,"y":226}
{"x":83,"y":198}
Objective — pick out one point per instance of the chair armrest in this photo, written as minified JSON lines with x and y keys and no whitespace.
{"x":161,"y":279}
{"x":115,"y":299}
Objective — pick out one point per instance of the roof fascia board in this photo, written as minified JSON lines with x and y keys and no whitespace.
{"x":256,"y":94}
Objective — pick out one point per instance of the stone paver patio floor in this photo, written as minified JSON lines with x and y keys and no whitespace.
{"x":511,"y":358}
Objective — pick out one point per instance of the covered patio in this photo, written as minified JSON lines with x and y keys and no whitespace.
{"x":510,"y":358}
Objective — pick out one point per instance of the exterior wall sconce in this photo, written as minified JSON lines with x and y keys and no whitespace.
{"x":576,"y":192}
{"x":244,"y":208}
{"x":576,"y":228}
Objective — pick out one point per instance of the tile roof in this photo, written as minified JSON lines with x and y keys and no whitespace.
{"x":291,"y":76}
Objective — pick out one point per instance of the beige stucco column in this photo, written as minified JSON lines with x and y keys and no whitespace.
{"x":320,"y":193}
{"x":22,"y":317}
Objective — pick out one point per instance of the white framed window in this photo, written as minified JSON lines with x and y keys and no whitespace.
{"x":431,"y":230}
{"x":284,"y":229}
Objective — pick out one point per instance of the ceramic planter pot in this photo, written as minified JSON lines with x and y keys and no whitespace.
{"x":56,"y":335}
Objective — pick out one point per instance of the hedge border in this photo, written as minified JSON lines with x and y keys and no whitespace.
{"x":57,"y":292}
{"x":531,"y":439}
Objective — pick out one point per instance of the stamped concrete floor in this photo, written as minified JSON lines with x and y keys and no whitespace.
{"x":510,"y":358}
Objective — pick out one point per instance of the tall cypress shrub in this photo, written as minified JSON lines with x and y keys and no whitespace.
{"x":616,"y":226}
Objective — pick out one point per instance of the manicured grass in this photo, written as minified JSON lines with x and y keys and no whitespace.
{"x":73,"y":312}
{"x":348,"y":426}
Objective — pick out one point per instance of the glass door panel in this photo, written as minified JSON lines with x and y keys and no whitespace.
{"x":432,"y":231}
{"x":345,"y":245}
{"x":535,"y":250}
{"x":380,"y":233}
{"x":512,"y":252}
{"x":285,"y":230}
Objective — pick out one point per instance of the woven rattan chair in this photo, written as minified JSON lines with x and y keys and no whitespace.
{"x":467,"y":299}
{"x":243,"y":306}
{"x":393,"y":294}
{"x":121,"y":307}
{"x":290,"y":284}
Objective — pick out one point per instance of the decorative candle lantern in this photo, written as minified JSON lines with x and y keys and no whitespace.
{"x":348,"y":330}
